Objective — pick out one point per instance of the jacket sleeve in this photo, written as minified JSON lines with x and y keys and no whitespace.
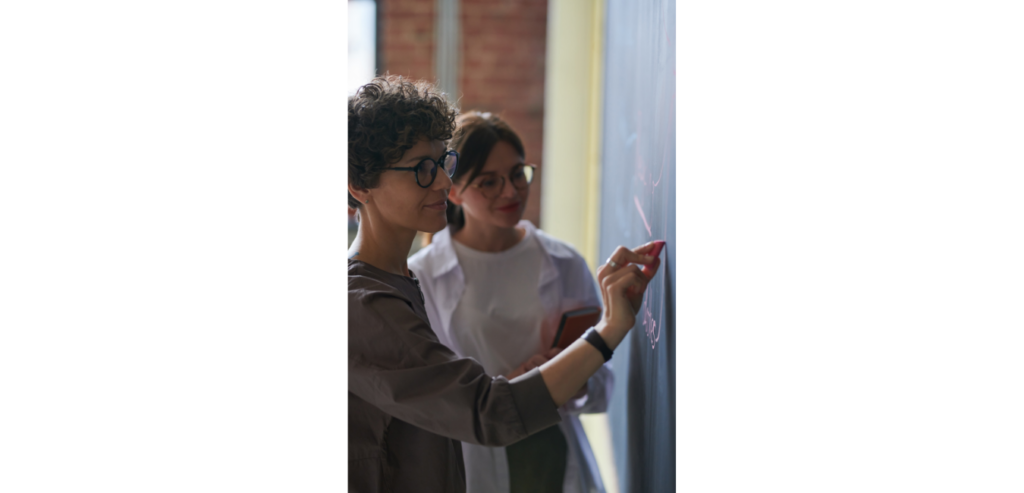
{"x":602,"y":383}
{"x":397,"y":364}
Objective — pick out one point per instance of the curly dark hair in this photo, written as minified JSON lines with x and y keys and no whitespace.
{"x":387,"y":117}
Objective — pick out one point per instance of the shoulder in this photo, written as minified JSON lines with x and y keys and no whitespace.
{"x":557,"y":248}
{"x":382,"y":320}
{"x":572,"y":268}
{"x":365,"y":285}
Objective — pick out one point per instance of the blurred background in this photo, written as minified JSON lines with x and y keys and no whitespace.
{"x":536,"y":63}
{"x":494,"y":55}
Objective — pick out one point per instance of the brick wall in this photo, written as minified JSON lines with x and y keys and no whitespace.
{"x":502,"y":62}
{"x":406,"y":38}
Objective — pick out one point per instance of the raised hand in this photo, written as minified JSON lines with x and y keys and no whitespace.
{"x":623,"y":284}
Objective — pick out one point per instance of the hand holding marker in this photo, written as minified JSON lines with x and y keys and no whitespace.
{"x":638,"y":268}
{"x":649,"y":270}
{"x":652,"y":249}
{"x":623,"y":284}
{"x":575,"y":322}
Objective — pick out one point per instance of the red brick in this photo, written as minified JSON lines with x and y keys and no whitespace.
{"x":502,"y":62}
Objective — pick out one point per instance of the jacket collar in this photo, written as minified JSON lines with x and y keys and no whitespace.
{"x":440,"y":265}
{"x":444,"y":259}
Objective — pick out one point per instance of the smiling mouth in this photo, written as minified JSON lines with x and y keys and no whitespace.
{"x":439,"y":206}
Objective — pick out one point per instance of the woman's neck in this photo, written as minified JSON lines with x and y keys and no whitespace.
{"x":487,"y":237}
{"x":381,"y":246}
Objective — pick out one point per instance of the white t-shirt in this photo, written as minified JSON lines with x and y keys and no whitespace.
{"x":497,"y":318}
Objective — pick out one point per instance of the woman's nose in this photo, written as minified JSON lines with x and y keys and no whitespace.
{"x":442,"y":180}
{"x":506,"y":185}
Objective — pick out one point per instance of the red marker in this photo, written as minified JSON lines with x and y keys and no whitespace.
{"x":658,"y":245}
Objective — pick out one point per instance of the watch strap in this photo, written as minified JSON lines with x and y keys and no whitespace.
{"x":595,"y":339}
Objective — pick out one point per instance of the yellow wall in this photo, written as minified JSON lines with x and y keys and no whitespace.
{"x":572,"y":123}
{"x":572,"y":151}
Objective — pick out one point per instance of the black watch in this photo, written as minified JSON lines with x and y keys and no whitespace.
{"x":597,"y":341}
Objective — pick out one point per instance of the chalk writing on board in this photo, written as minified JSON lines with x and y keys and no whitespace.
{"x":649,"y":162}
{"x":651,"y":327}
{"x":638,"y":198}
{"x":642,"y":216}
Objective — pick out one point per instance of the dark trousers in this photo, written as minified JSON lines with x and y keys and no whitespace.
{"x":536,"y":464}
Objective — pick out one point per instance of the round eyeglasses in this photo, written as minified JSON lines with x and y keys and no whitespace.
{"x":491,"y":185}
{"x":426,"y":170}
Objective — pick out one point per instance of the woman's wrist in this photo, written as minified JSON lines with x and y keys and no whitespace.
{"x":594,"y":338}
{"x":611,"y":334}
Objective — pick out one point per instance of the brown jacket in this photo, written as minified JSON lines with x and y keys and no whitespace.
{"x":411,"y":399}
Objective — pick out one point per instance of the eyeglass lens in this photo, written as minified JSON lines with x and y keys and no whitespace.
{"x":520,"y":177}
{"x":451,"y":161}
{"x":427,"y":171}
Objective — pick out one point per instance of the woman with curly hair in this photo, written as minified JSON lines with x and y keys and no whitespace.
{"x":509,"y":326}
{"x":411,"y":399}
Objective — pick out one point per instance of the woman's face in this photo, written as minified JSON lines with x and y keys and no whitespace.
{"x":506,"y":208}
{"x":402,"y":202}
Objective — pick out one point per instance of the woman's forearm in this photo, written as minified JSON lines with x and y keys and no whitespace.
{"x":568,"y":372}
{"x":622,"y":286}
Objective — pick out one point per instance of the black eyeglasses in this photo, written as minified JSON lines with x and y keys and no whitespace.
{"x":491,"y":185}
{"x":426,"y":170}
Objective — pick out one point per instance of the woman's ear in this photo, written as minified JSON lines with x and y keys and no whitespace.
{"x":454,"y":195}
{"x":361,"y":194}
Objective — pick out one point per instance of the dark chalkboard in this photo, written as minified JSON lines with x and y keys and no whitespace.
{"x":638,"y":205}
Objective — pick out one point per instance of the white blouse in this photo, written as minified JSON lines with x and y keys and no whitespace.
{"x":497,"y":321}
{"x":562,"y":282}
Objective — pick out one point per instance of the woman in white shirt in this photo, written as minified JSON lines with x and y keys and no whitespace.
{"x":495,"y":288}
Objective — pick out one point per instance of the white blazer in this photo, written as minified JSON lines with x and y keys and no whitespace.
{"x":565,"y":284}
